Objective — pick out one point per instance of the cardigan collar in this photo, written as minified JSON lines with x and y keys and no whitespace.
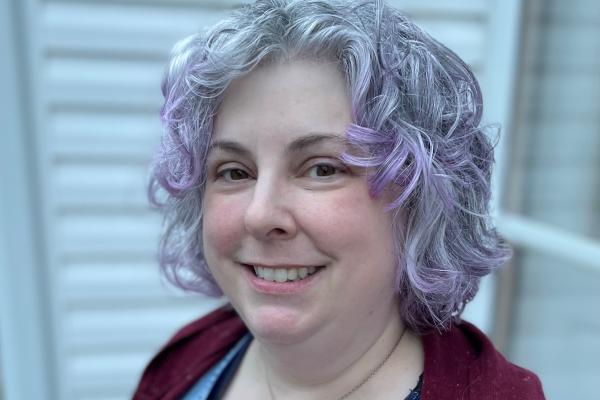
{"x":460,"y":363}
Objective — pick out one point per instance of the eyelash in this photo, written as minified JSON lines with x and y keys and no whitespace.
{"x":336,"y":171}
{"x":221,"y":174}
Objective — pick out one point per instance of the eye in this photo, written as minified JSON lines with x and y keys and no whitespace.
{"x":322,"y":170}
{"x":233,"y":174}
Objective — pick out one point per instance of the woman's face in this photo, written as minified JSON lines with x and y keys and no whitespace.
{"x":278,"y":197}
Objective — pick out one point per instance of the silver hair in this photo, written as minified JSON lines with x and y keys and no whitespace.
{"x":416,"y":110}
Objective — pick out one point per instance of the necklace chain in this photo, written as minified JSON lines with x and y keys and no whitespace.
{"x":361,"y":383}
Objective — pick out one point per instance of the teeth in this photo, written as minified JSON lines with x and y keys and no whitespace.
{"x":268,"y":274}
{"x":292,"y":274}
{"x":284,"y":274}
{"x":280,"y":275}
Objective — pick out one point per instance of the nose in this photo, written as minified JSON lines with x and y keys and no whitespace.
{"x":269,"y":215}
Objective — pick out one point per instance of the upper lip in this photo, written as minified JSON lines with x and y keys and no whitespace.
{"x":281,"y":266}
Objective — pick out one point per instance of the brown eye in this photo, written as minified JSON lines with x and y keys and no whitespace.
{"x":322,"y":170}
{"x":233,"y":174}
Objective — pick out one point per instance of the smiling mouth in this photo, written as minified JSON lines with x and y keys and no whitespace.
{"x":283,"y":275}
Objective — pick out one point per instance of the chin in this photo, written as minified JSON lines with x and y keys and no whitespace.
{"x":278,"y":324}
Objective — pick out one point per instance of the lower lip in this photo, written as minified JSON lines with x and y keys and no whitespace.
{"x":281,"y":288}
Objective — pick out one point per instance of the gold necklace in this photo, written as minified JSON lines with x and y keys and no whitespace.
{"x":361,"y":383}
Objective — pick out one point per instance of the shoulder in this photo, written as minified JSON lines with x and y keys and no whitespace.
{"x":463,"y":363}
{"x":191,"y":352}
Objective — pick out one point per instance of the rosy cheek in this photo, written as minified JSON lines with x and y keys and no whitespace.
{"x":337,"y":219}
{"x":222,"y":226}
{"x":346,"y":212}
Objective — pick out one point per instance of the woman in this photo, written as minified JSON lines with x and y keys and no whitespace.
{"x":325,"y":170}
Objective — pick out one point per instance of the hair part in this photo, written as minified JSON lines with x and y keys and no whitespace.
{"x":416,"y":110}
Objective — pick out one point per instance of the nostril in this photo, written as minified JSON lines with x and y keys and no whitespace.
{"x":269,"y":222}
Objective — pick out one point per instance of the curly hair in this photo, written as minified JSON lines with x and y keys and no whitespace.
{"x":416,"y":109}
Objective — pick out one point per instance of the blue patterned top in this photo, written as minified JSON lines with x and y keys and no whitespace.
{"x":214,"y":383}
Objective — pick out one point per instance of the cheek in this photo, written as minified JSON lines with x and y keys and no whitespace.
{"x":222,"y":226}
{"x":357,"y":232}
{"x":350,"y":224}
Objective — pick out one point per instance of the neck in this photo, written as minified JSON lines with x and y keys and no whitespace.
{"x":331,"y":362}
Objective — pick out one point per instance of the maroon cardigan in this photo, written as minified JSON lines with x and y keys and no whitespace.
{"x":459,"y":364}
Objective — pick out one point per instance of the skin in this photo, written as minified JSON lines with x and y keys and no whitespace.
{"x":270,"y":201}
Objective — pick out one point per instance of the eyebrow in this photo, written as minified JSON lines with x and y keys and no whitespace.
{"x":296,"y":146}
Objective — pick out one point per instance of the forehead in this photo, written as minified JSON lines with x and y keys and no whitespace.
{"x":284,"y":101}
